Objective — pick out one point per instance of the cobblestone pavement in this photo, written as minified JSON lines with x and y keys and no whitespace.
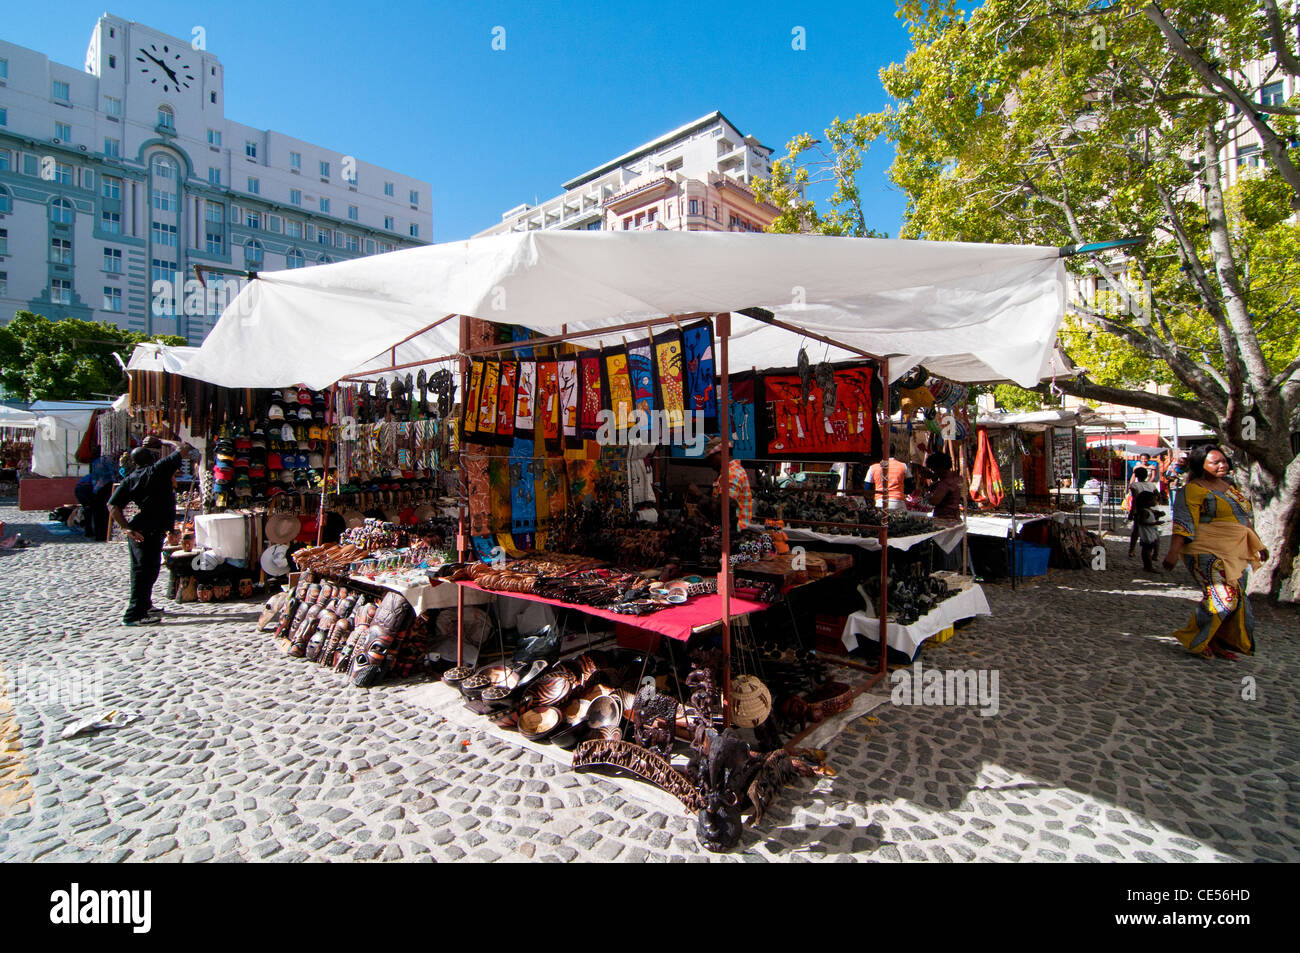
{"x":1109,"y":744}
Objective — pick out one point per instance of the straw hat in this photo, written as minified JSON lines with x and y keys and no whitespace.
{"x":275,"y":559}
{"x":282,"y":528}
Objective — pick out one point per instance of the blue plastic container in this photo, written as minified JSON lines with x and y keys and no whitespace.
{"x":1030,"y":558}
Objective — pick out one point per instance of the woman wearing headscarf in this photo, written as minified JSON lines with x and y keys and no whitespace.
{"x":1214,"y":534}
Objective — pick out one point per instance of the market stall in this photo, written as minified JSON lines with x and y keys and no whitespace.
{"x":989,"y":310}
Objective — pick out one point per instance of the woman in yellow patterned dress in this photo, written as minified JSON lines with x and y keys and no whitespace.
{"x":1214,"y":534}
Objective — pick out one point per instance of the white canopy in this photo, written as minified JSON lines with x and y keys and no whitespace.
{"x":160,"y":357}
{"x":961,"y":309}
{"x":60,"y":425}
{"x":13,"y":417}
{"x":1043,"y":419}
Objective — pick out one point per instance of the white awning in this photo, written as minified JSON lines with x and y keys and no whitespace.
{"x":962,"y":309}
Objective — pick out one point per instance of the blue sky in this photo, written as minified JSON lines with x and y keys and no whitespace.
{"x":417,"y":87}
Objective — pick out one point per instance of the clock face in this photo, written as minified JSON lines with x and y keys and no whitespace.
{"x":164,"y":68}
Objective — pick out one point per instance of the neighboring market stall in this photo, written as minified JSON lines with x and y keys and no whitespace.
{"x":602,"y":309}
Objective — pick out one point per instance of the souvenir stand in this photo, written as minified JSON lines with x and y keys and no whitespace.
{"x":988,"y":309}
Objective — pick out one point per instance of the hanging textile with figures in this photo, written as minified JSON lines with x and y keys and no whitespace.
{"x":697,"y":361}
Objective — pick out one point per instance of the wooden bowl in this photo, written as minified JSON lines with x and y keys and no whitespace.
{"x":536,"y":724}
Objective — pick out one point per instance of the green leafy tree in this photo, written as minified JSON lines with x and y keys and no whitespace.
{"x":69,"y":359}
{"x":1062,"y":122}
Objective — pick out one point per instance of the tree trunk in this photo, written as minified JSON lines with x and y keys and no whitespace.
{"x":1277,"y":523}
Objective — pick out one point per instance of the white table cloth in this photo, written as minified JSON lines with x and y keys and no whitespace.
{"x":908,"y":638}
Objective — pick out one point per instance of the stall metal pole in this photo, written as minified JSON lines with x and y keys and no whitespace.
{"x":884,"y":528}
{"x":464,"y":492}
{"x":325,"y":474}
{"x":723,"y":324}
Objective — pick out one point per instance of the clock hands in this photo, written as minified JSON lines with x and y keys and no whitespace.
{"x":166,"y":69}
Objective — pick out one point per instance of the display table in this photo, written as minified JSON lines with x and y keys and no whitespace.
{"x":676,"y":622}
{"x":908,"y":638}
{"x":946,"y":539}
{"x":999,"y":526}
{"x":426,"y":595}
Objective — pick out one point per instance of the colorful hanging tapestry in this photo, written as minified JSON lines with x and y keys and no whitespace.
{"x":591,"y":394}
{"x":525,"y":406}
{"x":471,"y":403}
{"x":641,"y":370}
{"x":568,"y":373}
{"x":618,"y":386}
{"x":816,"y":428}
{"x":506,"y":400}
{"x":668,"y":364}
{"x":697,"y":361}
{"x":487,"y":404}
{"x":744,"y":446}
{"x":476,"y":474}
{"x":499,"y":493}
{"x":548,"y":401}
{"x":523,"y":500}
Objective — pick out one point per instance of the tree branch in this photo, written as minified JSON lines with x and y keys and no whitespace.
{"x":1214,"y":79}
{"x":1277,"y":39}
{"x":1142,"y":400}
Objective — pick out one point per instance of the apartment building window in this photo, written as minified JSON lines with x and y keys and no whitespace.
{"x":212,"y":98}
{"x":214,"y":137}
{"x":61,"y":212}
{"x":353,"y":213}
{"x":214,"y":175}
{"x":62,"y":173}
{"x":113,"y":260}
{"x":388,"y":222}
{"x":112,"y":61}
{"x":6,"y":201}
{"x":254,"y":186}
{"x":4,"y":283}
{"x":112,"y":147}
{"x":60,"y":251}
{"x":166,"y":118}
{"x":1271,"y":95}
{"x":295,"y":259}
{"x":112,"y":299}
{"x":59,"y":90}
{"x":640,"y":220}
{"x":273,"y":223}
{"x":695,"y":207}
{"x":110,"y":223}
{"x":253,"y":254}
{"x":4,"y":241}
{"x":162,"y":167}
{"x":295,"y":160}
{"x":351,"y":243}
{"x":4,"y":69}
{"x":110,"y":187}
{"x":650,"y":215}
{"x":325,"y":205}
{"x":370,"y":246}
{"x":415,"y":197}
{"x":388,"y":189}
{"x":164,"y":201}
{"x":293,"y":229}
{"x":160,"y":269}
{"x":4,"y":160}
{"x":324,"y":237}
{"x":215,"y":244}
{"x":112,"y":106}
{"x":716,"y":216}
{"x":63,"y":130}
{"x":4,"y":116}
{"x":1248,"y":156}
{"x":61,"y":291}
{"x":627,"y":224}
{"x":214,"y":213}
{"x":295,"y":196}
{"x":163,"y":234}
{"x":415,"y":230}
{"x":324,"y":169}
{"x":250,"y":149}
{"x":253,"y":220}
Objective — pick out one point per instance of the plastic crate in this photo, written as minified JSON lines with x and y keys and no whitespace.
{"x":1030,"y":559}
{"x":942,"y":637}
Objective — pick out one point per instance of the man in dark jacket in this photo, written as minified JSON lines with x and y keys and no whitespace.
{"x":149,"y":487}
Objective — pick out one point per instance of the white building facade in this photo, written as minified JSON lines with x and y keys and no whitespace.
{"x":695,"y":178}
{"x":118,"y":180}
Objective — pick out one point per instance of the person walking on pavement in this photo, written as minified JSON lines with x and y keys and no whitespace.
{"x":92,"y":492}
{"x":1147,"y":520}
{"x":149,"y":486}
{"x":1136,"y":488}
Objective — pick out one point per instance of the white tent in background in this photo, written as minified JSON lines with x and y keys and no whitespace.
{"x":160,"y":357}
{"x":967,"y":311}
{"x":13,"y":417}
{"x":60,"y":425}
